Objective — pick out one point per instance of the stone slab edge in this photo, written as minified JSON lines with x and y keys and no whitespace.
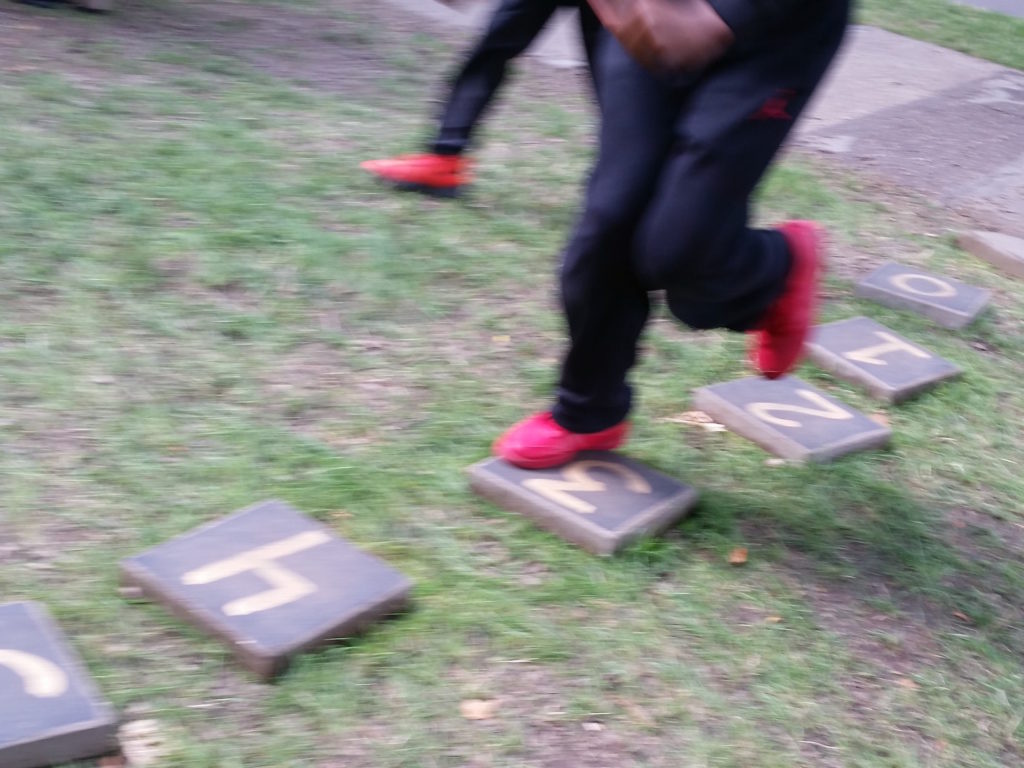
{"x":741,"y":423}
{"x":943,"y":316}
{"x":835,"y":364}
{"x":265,"y":663}
{"x":573,"y":527}
{"x":977,"y":244}
{"x":77,"y":742}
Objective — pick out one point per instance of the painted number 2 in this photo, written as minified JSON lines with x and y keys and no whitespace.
{"x":577,"y":478}
{"x":823,"y":410}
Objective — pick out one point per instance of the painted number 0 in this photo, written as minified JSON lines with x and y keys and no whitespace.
{"x":577,"y":478}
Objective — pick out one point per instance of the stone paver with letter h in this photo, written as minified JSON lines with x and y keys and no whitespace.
{"x":270,"y":582}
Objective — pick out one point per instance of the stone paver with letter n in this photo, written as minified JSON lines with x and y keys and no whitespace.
{"x":601,"y":501}
{"x":270,"y":582}
{"x":949,"y":302}
{"x":791,"y":418}
{"x":867,"y":353}
{"x":50,"y":712}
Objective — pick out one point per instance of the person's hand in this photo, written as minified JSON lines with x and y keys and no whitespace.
{"x":666,"y":35}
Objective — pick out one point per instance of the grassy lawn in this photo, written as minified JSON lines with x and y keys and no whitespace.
{"x":992,"y":36}
{"x":203,"y":303}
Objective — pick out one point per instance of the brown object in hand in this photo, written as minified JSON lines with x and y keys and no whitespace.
{"x":666,"y":35}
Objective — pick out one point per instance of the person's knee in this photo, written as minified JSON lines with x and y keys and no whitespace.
{"x":674,"y":246}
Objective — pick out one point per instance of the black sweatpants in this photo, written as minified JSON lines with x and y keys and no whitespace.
{"x":666,"y":205}
{"x":514,"y":25}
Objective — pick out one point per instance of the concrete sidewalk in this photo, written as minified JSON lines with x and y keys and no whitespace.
{"x":939,"y":122}
{"x":935,"y":121}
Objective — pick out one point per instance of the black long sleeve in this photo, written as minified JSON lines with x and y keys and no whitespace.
{"x":745,"y":17}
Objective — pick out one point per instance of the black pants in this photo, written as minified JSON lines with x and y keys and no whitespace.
{"x":666,"y":205}
{"x":514,"y":25}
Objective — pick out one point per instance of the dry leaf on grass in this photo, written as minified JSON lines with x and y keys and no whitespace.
{"x":501,"y":339}
{"x":880,"y":418}
{"x":696,"y":419}
{"x":906,"y":682}
{"x":962,"y":616}
{"x":738,"y":556}
{"x":478,"y":709}
{"x":773,"y":619}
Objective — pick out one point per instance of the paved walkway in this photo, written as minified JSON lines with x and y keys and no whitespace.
{"x":938,"y":122}
{"x":1009,"y":7}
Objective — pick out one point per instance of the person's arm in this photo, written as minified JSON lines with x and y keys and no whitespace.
{"x":679,"y":35}
{"x":672,"y":35}
{"x":746,"y":16}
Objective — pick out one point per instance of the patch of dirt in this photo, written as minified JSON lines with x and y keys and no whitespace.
{"x":898,"y":644}
{"x":322,"y":392}
{"x":335,"y":51}
{"x":990,"y":583}
{"x":978,"y":592}
{"x":492,"y":558}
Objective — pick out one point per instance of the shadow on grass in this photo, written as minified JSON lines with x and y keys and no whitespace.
{"x":866,"y":542}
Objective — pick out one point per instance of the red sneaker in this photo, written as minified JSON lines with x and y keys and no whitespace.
{"x":540,"y":443}
{"x":435,"y":174}
{"x":778,"y":342}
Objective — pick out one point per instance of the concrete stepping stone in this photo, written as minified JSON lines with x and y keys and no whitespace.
{"x":790,"y":418}
{"x":50,"y":710}
{"x":867,"y":353}
{"x":269,"y":582}
{"x":601,"y":501}
{"x":1002,"y":251}
{"x":948,"y":302}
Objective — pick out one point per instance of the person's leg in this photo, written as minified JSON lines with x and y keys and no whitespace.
{"x":591,"y":34}
{"x":444,"y":170}
{"x":605,"y":307}
{"x":514,"y":25}
{"x":695,"y":241}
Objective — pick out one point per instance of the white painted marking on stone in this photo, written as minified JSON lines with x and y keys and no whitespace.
{"x":890,"y":343}
{"x":825,"y":410}
{"x":40,"y":677}
{"x":576,"y":478}
{"x":943,"y":290}
{"x":287,"y":586}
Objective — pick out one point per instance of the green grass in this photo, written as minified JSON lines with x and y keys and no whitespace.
{"x":203,"y":303}
{"x":992,"y":36}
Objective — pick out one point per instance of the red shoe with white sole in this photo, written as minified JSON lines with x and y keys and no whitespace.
{"x":442,"y":175}
{"x":778,"y":341}
{"x":539,"y":442}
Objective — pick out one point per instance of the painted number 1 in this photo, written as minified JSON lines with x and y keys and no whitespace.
{"x":577,"y":478}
